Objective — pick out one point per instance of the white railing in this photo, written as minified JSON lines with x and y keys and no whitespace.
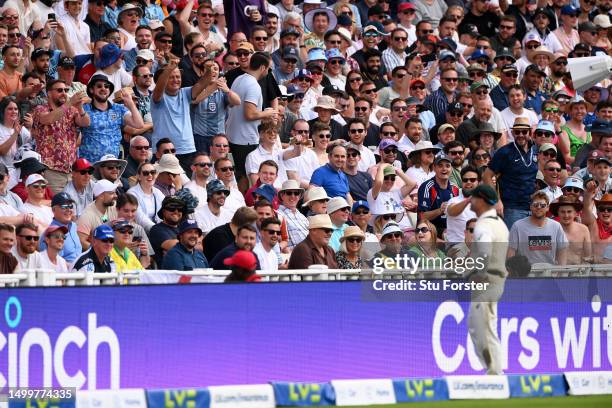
{"x":47,"y":277}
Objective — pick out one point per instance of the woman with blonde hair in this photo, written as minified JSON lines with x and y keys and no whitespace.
{"x":348,"y":256}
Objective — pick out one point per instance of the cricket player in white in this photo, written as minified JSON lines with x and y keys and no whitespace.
{"x":490,"y":243}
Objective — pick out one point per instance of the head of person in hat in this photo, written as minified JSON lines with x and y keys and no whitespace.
{"x":168,"y":170}
{"x":542,"y":57}
{"x":604,"y":209}
{"x":391,"y":238}
{"x":423,"y":155}
{"x":105,"y":194}
{"x":82,"y":171}
{"x":360,"y":214}
{"x":172,"y":210}
{"x":558,"y":208}
{"x":476,"y":72}
{"x":335,"y":62}
{"x":320,"y":228}
{"x":483,"y":198}
{"x":62,"y":206}
{"x":99,"y":88}
{"x":320,"y":20}
{"x":573,"y":187}
{"x":504,"y":57}
{"x":102,"y":242}
{"x":123,"y":231}
{"x":36,"y":186}
{"x":289,"y":59}
{"x":454,"y":114}
{"x":290,"y":194}
{"x":521,"y":131}
{"x":189,"y":233}
{"x":325,"y":108}
{"x":216,"y":193}
{"x":109,"y":167}
{"x":486,"y":136}
{"x":40,"y":61}
{"x":338,"y":210}
{"x":599,"y":129}
{"x":54,"y":237}
{"x":110,"y":57}
{"x":546,"y":152}
{"x":351,"y":243}
{"x":243,"y":265}
{"x":129,"y":17}
{"x":533,"y":77}
{"x":316,"y":200}
{"x":264,"y":192}
{"x":66,"y":68}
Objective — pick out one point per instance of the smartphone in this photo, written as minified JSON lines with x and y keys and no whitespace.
{"x":428,"y":57}
{"x":137,"y":239}
{"x":51,"y":16}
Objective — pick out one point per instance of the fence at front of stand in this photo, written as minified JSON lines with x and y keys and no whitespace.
{"x":46,"y":277}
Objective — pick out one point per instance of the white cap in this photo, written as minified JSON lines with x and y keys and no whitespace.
{"x":33,"y":178}
{"x":103,"y":186}
{"x":145,"y":54}
{"x":391,"y":227}
{"x":337,"y":203}
{"x":155,"y":24}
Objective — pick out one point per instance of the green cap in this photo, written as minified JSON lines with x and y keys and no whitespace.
{"x":388,"y":171}
{"x":477,"y":85}
{"x":486,"y":192}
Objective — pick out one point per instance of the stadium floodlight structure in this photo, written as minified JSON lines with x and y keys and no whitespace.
{"x":587,"y":71}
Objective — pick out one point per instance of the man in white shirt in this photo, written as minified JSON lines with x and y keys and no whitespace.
{"x":412,"y":135}
{"x":516,"y":109}
{"x":25,"y":248}
{"x":201,"y":169}
{"x":50,"y":258}
{"x":270,"y":232}
{"x":224,"y":169}
{"x":458,"y":210}
{"x":77,"y":31}
{"x":357,"y":133}
{"x":212,"y":213}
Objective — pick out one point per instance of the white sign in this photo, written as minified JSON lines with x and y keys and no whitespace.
{"x":363,"y":392}
{"x":478,"y":387}
{"x":589,"y":382}
{"x":128,"y":398}
{"x":238,"y":396}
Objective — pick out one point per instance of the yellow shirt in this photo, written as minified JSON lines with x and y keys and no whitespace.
{"x":126,"y":261}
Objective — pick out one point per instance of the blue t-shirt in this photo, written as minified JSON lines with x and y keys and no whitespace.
{"x":534,"y":102}
{"x":334,"y":182}
{"x":103,"y":135}
{"x":518,"y":170}
{"x":171,"y":118}
{"x":209,"y":115}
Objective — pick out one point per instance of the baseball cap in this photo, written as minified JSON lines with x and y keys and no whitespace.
{"x":61,"y":199}
{"x":40,"y":52}
{"x":509,"y":68}
{"x":586,"y":26}
{"x":478,"y":54}
{"x":335,"y":90}
{"x":390,"y":228}
{"x":447,"y":54}
{"x":187,"y":225}
{"x":532,"y":37}
{"x":242,"y":259}
{"x":290,"y":52}
{"x":360,"y":204}
{"x":601,"y":158}
{"x":146,"y":55}
{"x":52,"y":228}
{"x":386,"y":143}
{"x":536,"y":69}
{"x":103,"y":232}
{"x":486,"y":192}
{"x":389,"y":170}
{"x":289,"y":31}
{"x":477,"y":85}
{"x":33,"y":178}
{"x":454,"y":107}
{"x":601,"y":126}
{"x":468,"y":29}
{"x":374,"y":26}
{"x":573,"y":182}
{"x":245,"y":45}
{"x":354,"y":147}
{"x":546,"y":125}
{"x":596,"y":155}
{"x":103,"y":186}
{"x":444,"y":127}
{"x":569,"y":10}
{"x":162,"y":34}
{"x":81,"y":164}
{"x":442,"y":157}
{"x":548,"y":146}
{"x":66,"y":62}
{"x":121,"y":223}
{"x":449,"y":42}
{"x":405,"y":6}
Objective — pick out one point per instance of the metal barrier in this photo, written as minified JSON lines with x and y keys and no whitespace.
{"x":47,"y":277}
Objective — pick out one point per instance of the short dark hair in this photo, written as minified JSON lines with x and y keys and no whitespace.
{"x":258,"y":60}
{"x":469,"y":168}
{"x":244,"y":215}
{"x":8,"y":47}
{"x":263,"y":203}
{"x":355,"y":120}
{"x":126,"y":198}
{"x":219,"y":160}
{"x":362,"y":99}
{"x":50,"y":84}
{"x":29,"y":75}
{"x":143,"y":27}
{"x":162,"y":141}
{"x":6,"y":227}
{"x":270,"y":221}
{"x":413,"y":119}
{"x":270,"y":163}
{"x":452,"y":144}
{"x":329,"y":34}
{"x":247,"y":227}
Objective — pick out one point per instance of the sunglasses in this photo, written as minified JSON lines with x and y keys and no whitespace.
{"x":202,"y":164}
{"x":604,"y":209}
{"x":400,"y":39}
{"x":354,"y":240}
{"x":429,"y":152}
{"x":369,"y":91}
{"x":233,"y":63}
{"x":549,"y":153}
{"x":408,"y":12}
{"x":455,"y":114}
{"x":174,"y":209}
{"x":417,"y":87}
{"x":336,"y":61}
{"x":572,"y":190}
{"x":532,"y":47}
{"x":126,"y":231}
{"x":539,"y":133}
{"x":327,"y":230}
{"x":38,"y":186}
{"x":539,"y":205}
{"x":389,"y":178}
{"x":426,"y":32}
{"x":450,"y":79}
{"x":467,"y":105}
{"x":84,"y":172}
{"x":562,"y":62}
{"x":388,"y":217}
{"x":390,"y":150}
{"x":555,"y":169}
{"x":241,"y":54}
{"x":395,"y":235}
{"x":273,"y":232}
{"x":56,"y":236}
{"x":14,"y":35}
{"x":400,"y":109}
{"x":108,"y":240}
{"x":389,"y":134}
{"x":523,"y":132}
{"x":551,"y":110}
{"x":482,"y":92}
{"x":294,"y":193}
{"x":356,"y":79}
{"x":360,"y":131}
{"x":361,"y":108}
{"x":335,"y":42}
{"x":102,"y":86}
{"x":260,"y":38}
{"x":505,"y":27}
{"x":476,"y":74}
{"x":324,"y":136}
{"x":455,"y":152}
{"x":141,"y":61}
{"x":141,"y":148}
{"x":482,"y":156}
{"x":61,"y":90}
{"x":362,"y":212}
{"x":111,"y":167}
{"x":221,"y":146}
{"x":165,"y":41}
{"x":469,"y":180}
{"x":511,"y":75}
{"x":148,"y":173}
{"x":353,"y":154}
{"x":225,"y":169}
{"x":66,"y":206}
{"x":423,"y":230}
{"x":30,"y":237}
{"x":199,"y":55}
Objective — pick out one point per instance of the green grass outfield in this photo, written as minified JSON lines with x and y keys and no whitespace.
{"x":594,"y":401}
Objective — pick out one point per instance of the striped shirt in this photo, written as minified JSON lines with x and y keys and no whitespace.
{"x":297,"y":225}
{"x":437,"y":102}
{"x":391,"y":59}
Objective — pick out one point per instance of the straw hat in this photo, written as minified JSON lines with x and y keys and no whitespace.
{"x":326,"y":102}
{"x":423,"y":145}
{"x":352,"y":231}
{"x":290,"y":185}
{"x":521,"y":122}
{"x":314,"y":194}
{"x":168,"y":163}
{"x":542,"y":50}
{"x":320,"y":221}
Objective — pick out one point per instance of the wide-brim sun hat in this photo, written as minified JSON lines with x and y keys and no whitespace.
{"x":309,"y":17}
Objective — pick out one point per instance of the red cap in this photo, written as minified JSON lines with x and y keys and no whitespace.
{"x":81,"y":164}
{"x":417,"y":81}
{"x":242,"y":259}
{"x":52,"y":228}
{"x":406,"y":6}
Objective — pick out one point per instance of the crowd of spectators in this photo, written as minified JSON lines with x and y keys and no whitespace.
{"x":247,"y":135}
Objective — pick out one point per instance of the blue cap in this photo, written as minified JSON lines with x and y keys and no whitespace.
{"x":109,"y":54}
{"x":449,"y":42}
{"x":334,"y":53}
{"x":478,"y":54}
{"x":569,"y":10}
{"x":601,"y":126}
{"x":359,"y":204}
{"x":266,"y":191}
{"x":103,"y":232}
{"x":316,"y":54}
{"x":187,"y":225}
{"x":546,"y":125}
{"x":294,"y":90}
{"x":61,"y":199}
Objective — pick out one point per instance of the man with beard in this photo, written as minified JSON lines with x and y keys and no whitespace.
{"x":103,"y":135}
{"x":453,"y":115}
{"x":197,"y":69}
{"x":372,"y":34}
{"x":270,"y":231}
{"x":144,"y":39}
{"x":373,"y":68}
{"x":246,"y":238}
{"x":26,"y":249}
{"x":515,"y":166}
{"x":201,"y":174}
{"x":184,"y":256}
{"x":101,"y":210}
{"x":163,"y":234}
{"x":288,"y":38}
{"x":55,"y":131}
{"x":212,"y":213}
{"x":537,"y":237}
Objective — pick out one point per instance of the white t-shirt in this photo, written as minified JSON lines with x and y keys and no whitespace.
{"x":419,"y":175}
{"x":267,"y":259}
{"x":387,"y":203}
{"x":234,"y":201}
{"x":119,"y":78}
{"x":60,"y":266}
{"x":7,"y":211}
{"x":259,"y":155}
{"x":455,"y":226}
{"x":199,"y":192}
{"x":42,"y":212}
{"x":305,"y":164}
{"x":32,"y":261}
{"x":367,"y":159}
{"x":207,"y":220}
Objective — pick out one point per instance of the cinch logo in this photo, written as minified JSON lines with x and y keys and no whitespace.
{"x":419,"y":388}
{"x":300,"y":392}
{"x":536,"y":384}
{"x":18,"y":352}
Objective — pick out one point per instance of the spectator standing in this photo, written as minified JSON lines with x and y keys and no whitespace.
{"x":55,"y":131}
{"x":97,"y":27}
{"x":77,"y":30}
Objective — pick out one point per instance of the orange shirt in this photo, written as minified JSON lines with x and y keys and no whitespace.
{"x":9,"y":84}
